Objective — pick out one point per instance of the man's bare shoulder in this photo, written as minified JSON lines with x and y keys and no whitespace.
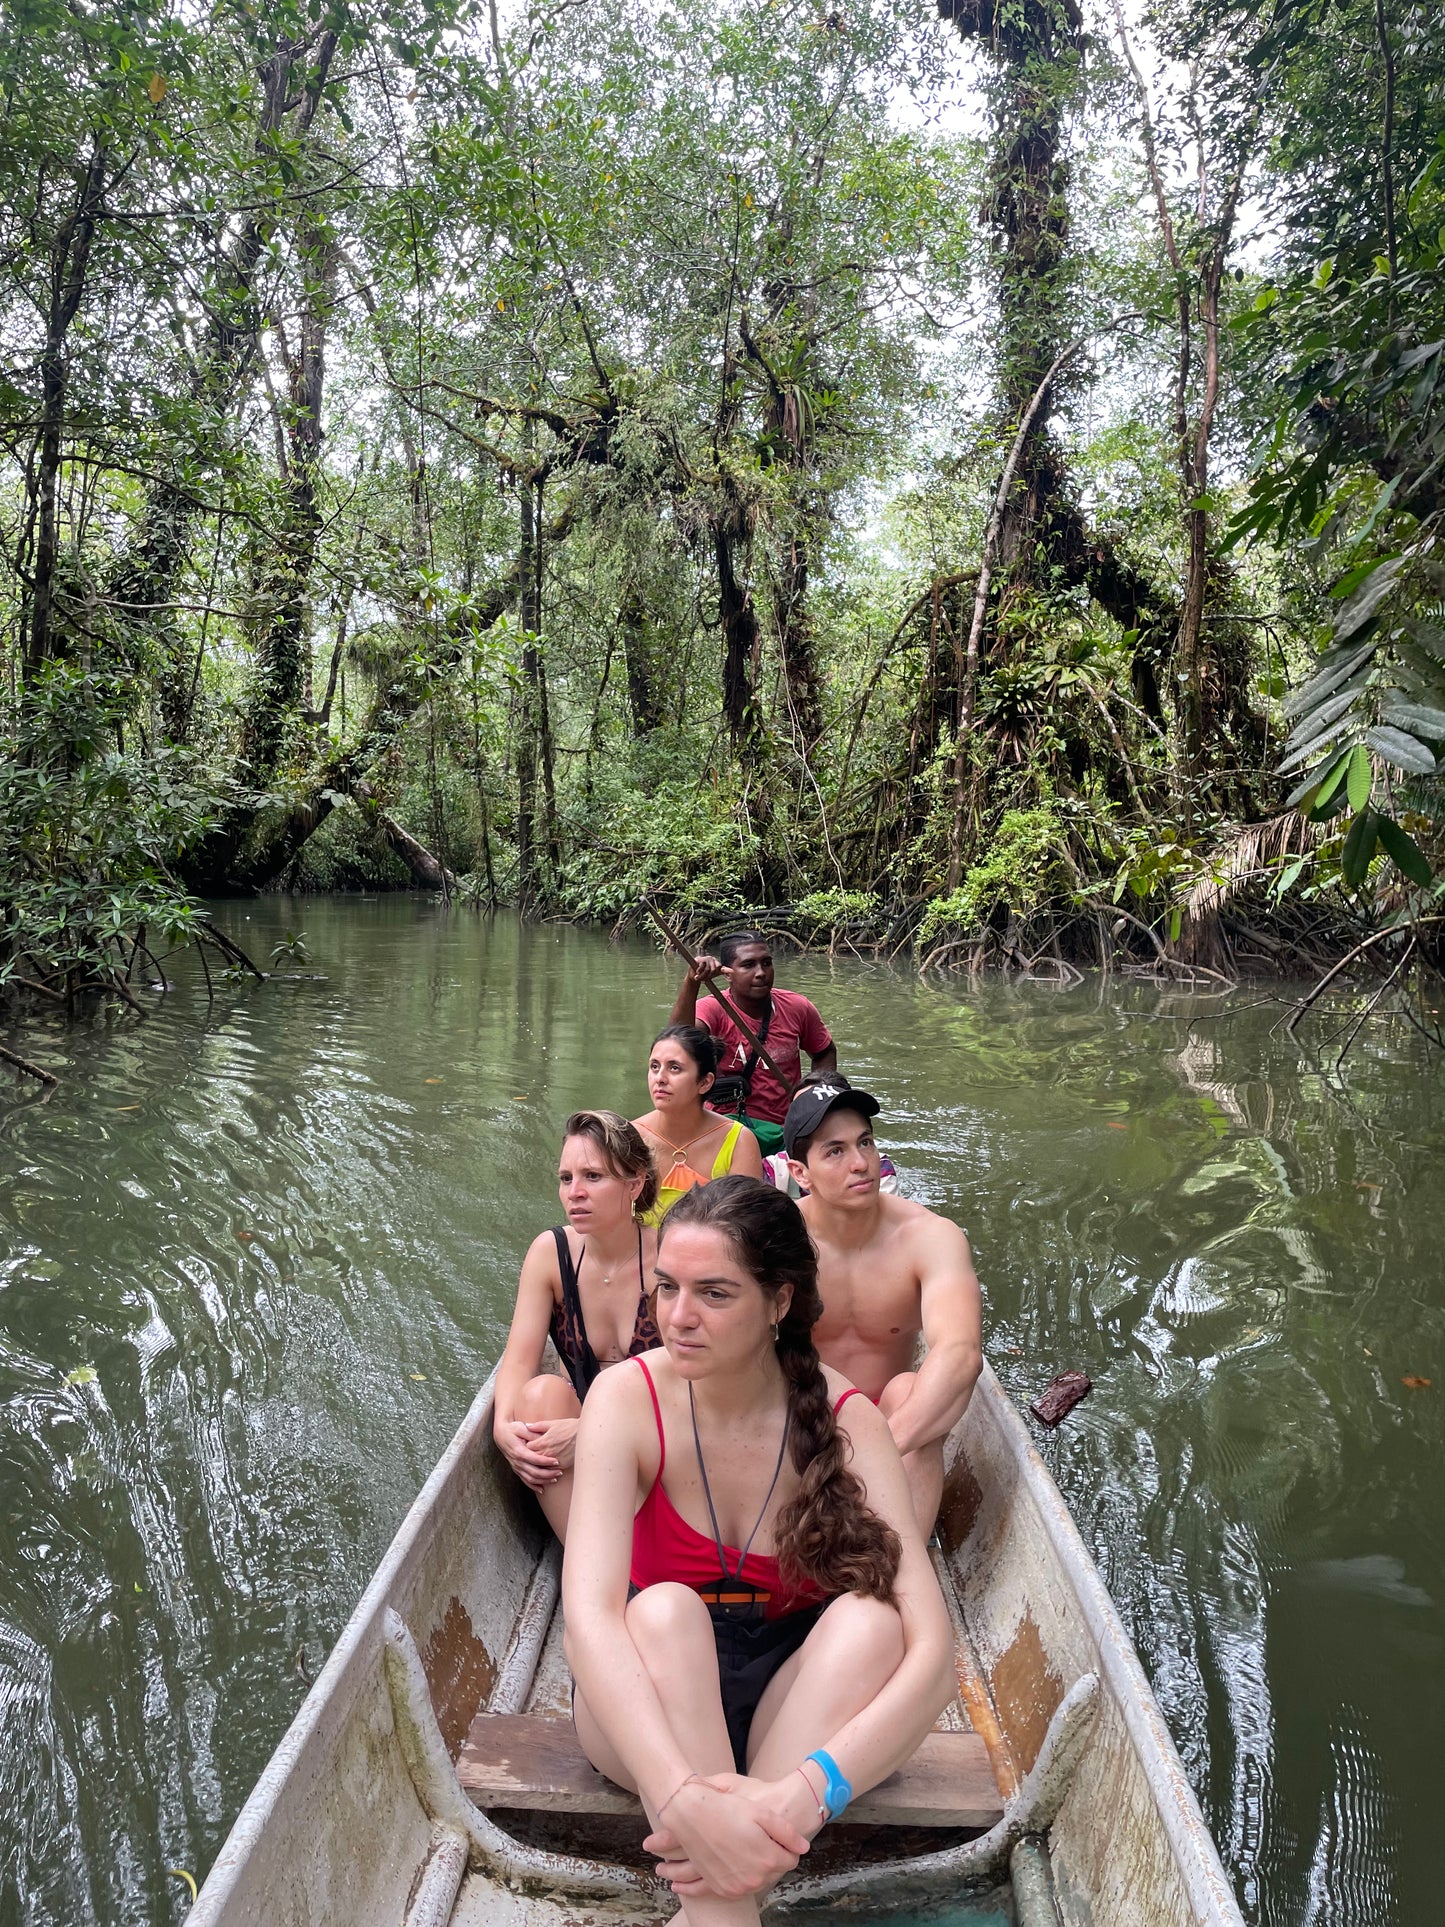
{"x":897,"y":1218}
{"x":907,"y":1214}
{"x":931,"y":1241}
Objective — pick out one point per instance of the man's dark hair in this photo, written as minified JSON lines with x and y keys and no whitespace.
{"x":805,"y":1144}
{"x":731,"y":945}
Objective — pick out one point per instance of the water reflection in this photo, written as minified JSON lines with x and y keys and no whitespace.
{"x":255,"y":1256}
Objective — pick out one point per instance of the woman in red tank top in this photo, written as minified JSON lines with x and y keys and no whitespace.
{"x":752,"y":1621}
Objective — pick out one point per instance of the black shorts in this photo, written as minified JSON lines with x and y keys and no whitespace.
{"x":749,"y":1651}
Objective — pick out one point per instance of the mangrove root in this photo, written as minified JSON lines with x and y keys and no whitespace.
{"x":24,"y":1064}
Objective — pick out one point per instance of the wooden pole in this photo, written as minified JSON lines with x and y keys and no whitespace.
{"x":790,"y":1086}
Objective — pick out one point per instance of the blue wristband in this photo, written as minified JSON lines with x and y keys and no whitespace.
{"x":836,"y":1791}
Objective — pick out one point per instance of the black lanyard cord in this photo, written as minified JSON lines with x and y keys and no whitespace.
{"x":707,"y":1491}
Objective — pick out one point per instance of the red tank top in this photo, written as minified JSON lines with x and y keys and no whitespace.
{"x":665,"y":1547}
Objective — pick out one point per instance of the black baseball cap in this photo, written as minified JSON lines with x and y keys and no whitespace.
{"x":813,"y":1103}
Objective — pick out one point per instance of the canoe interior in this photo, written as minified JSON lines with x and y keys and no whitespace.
{"x":334,"y":1834}
{"x":1129,"y":1847}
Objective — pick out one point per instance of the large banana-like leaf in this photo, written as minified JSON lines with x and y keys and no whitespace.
{"x":1405,"y":752}
{"x":1418,"y":718}
{"x":1336,"y":668}
{"x":1379,"y":692}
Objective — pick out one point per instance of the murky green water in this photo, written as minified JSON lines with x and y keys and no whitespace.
{"x":255,"y":1258}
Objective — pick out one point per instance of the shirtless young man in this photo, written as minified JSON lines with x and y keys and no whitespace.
{"x":888,"y":1270}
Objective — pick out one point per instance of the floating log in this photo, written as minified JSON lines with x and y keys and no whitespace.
{"x":1060,"y":1396}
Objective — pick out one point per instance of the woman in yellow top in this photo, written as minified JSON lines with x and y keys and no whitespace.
{"x":689,"y":1143}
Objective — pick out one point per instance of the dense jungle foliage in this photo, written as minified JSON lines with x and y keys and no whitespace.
{"x":974,"y":482}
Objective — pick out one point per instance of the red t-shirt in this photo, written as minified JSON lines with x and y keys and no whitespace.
{"x":796,"y":1027}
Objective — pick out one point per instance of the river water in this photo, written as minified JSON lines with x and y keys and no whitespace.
{"x":257,"y":1254}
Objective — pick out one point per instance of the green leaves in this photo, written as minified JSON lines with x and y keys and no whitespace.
{"x":1405,"y":853}
{"x":1364,"y":589}
{"x":1419,"y":718}
{"x":1371,"y":828}
{"x":1359,"y":777}
{"x":86,"y":831}
{"x":1359,"y":848}
{"x":1349,"y":717}
{"x":1400,"y":749}
{"x":1336,"y":775}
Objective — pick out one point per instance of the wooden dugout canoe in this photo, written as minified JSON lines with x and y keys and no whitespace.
{"x":448,"y":1688}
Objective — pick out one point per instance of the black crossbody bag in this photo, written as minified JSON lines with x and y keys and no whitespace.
{"x":730,"y":1093}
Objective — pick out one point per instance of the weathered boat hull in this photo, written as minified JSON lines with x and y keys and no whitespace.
{"x":459,"y":1617}
{"x":1128,"y":1846}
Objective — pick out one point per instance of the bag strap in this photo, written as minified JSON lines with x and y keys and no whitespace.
{"x":752,"y":1058}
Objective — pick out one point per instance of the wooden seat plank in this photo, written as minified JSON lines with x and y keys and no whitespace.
{"x":519,"y":1760}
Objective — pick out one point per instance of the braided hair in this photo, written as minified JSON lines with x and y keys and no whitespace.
{"x":736,"y":941}
{"x":826,"y":1533}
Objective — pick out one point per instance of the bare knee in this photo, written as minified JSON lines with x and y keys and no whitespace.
{"x":871,"y":1628}
{"x":663,"y":1615}
{"x":896,"y":1392}
{"x":546,"y":1397}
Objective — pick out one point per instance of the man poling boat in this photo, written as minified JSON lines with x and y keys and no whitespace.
{"x":760,"y":1030}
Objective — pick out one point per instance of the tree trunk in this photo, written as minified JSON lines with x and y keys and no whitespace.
{"x":740,"y":642}
{"x":787,"y":421}
{"x":547,"y":762}
{"x":1037,"y":50}
{"x":529,"y":879}
{"x":1043,"y":543}
{"x":1198,"y":715}
{"x":282,"y":634}
{"x":426,"y":869}
{"x":797,"y":644}
{"x":142,"y":583}
{"x":70,"y":259}
{"x":642,"y":692}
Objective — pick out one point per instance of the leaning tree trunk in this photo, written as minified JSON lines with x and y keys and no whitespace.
{"x":427,"y":870}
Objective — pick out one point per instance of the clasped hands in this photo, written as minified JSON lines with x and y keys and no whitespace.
{"x":728,"y":1835}
{"x":538,"y":1451}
